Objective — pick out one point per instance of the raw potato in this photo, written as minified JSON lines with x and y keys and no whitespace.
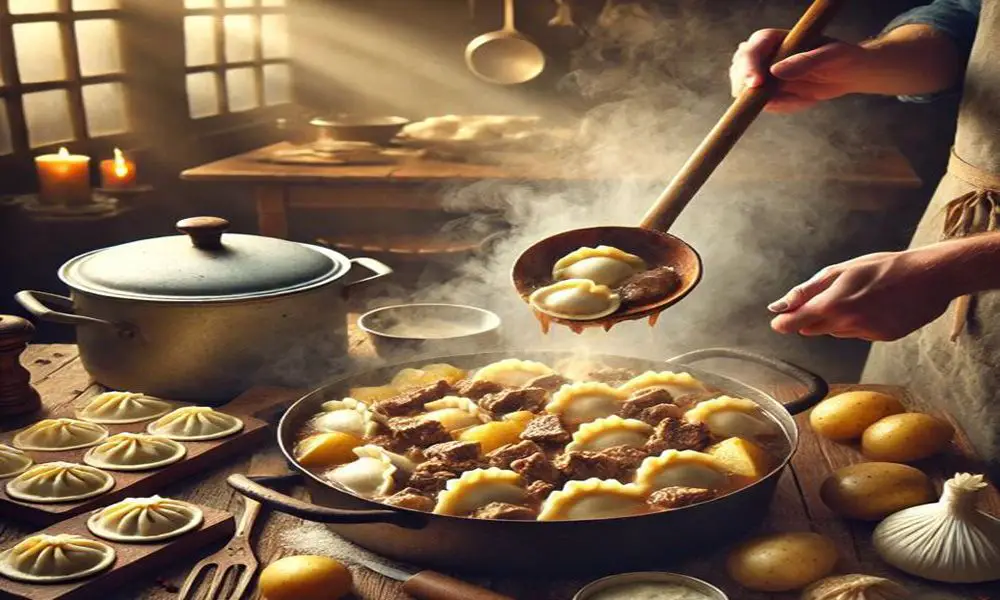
{"x":846,"y":416}
{"x":873,"y":491}
{"x":327,"y":449}
{"x":906,"y":438}
{"x":305,"y":578}
{"x":741,"y":457}
{"x":782,"y":562}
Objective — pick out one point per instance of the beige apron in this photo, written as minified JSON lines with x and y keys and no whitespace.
{"x":954,"y":362}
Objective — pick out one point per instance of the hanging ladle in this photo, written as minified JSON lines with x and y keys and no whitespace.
{"x":505,"y":56}
{"x":533,"y":268}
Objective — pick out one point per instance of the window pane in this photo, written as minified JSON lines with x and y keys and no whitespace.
{"x":199,"y":3}
{"x":241,"y":89}
{"x":6,"y":146}
{"x":239,"y":3}
{"x":274,"y":36}
{"x":203,"y":95}
{"x":239,"y":37}
{"x":99,"y":47}
{"x":277,"y":84}
{"x":82,"y":5}
{"x":199,"y":41}
{"x":105,"y":106}
{"x":47,"y":117}
{"x":21,"y":7}
{"x":39,"y":52}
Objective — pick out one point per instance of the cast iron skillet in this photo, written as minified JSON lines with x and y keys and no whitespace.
{"x":588,"y":546}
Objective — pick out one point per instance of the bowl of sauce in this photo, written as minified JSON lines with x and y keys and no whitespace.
{"x":409,"y":330}
{"x":652,"y":585}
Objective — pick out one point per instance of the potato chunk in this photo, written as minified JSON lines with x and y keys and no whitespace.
{"x":742,"y":457}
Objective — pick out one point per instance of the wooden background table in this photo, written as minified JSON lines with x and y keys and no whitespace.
{"x":60,"y":378}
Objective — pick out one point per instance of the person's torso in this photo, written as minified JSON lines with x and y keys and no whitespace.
{"x":977,"y":140}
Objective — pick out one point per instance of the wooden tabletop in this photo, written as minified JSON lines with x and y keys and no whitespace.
{"x":60,"y":378}
{"x":883,"y":167}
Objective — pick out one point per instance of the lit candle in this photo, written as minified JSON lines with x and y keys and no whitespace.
{"x":117,"y":173}
{"x":63,"y":178}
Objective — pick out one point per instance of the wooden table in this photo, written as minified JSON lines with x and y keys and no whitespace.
{"x":417,"y":184}
{"x":60,"y":378}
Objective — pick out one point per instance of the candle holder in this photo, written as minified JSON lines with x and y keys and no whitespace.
{"x":100,"y":205}
{"x":134,"y":190}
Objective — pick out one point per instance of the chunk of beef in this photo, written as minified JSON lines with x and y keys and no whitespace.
{"x":412,"y":498}
{"x":648,"y":287}
{"x":477,"y":389}
{"x":503,"y":456}
{"x":585,"y":464}
{"x":419,"y":432}
{"x":678,"y":496}
{"x":536,"y":467}
{"x":546,"y":429}
{"x":675,"y":434}
{"x":549,"y":383}
{"x":508,"y":401}
{"x":502,"y":510}
{"x":454,"y":451}
{"x":644,"y":399}
{"x":654,"y":415}
{"x":626,"y":456}
{"x":390,"y":443}
{"x":453,"y":466}
{"x":540,"y":490}
{"x":412,"y":402}
{"x":430,"y":482}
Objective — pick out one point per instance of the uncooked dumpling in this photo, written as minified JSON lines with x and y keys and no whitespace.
{"x":123,"y":407}
{"x":134,"y":452}
{"x":454,"y":413}
{"x":479,"y":487}
{"x":50,"y":435}
{"x":575,"y":300}
{"x":152,"y":519}
{"x":13,"y":461}
{"x":604,"y":265}
{"x":684,"y":468}
{"x":511,"y":372}
{"x":609,"y":432}
{"x":584,"y":402}
{"x":374,"y":473}
{"x":45,"y":558}
{"x":195,"y":423}
{"x":59,"y":482}
{"x":726,"y":417}
{"x":677,"y":384}
{"x":346,"y":416}
{"x":594,"y":499}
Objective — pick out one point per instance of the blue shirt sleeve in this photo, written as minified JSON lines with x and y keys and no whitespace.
{"x":958,"y":19}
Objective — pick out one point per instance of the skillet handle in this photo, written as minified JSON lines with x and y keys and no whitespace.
{"x":816,"y":386}
{"x":431,"y":585}
{"x":275,"y":500}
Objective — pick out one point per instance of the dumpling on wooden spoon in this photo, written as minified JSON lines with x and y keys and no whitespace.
{"x":604,"y":265}
{"x":575,"y":299}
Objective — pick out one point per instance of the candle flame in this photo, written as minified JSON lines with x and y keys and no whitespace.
{"x":121,"y":167}
{"x":63,"y":152}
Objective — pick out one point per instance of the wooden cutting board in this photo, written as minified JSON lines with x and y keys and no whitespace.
{"x":132,"y":561}
{"x":251,"y":407}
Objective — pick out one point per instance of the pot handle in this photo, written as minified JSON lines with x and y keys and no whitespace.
{"x":378,"y":269}
{"x":32,"y":302}
{"x":816,"y":386}
{"x":254,"y":489}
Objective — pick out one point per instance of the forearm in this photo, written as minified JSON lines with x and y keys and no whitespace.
{"x":910,"y":60}
{"x":972,"y":264}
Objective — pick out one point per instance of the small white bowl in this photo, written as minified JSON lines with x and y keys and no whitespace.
{"x":406,"y":330}
{"x":710,"y":591}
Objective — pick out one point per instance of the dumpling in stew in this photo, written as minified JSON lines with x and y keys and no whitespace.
{"x":511,"y":372}
{"x":609,"y":432}
{"x":677,"y":384}
{"x":479,"y":487}
{"x":594,"y":499}
{"x":683,"y":468}
{"x":580,"y":403}
{"x":374,"y":473}
{"x":454,"y":413}
{"x":727,"y":417}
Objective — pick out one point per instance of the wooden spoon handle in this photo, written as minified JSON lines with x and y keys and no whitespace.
{"x":730,"y":128}
{"x":429,"y":585}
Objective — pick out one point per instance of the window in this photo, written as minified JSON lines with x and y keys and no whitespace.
{"x":61,"y":73}
{"x":236,"y":56}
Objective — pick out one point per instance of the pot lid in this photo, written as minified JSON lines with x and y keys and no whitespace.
{"x":204,"y":266}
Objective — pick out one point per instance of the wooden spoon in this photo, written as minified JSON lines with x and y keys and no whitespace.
{"x":533,"y":269}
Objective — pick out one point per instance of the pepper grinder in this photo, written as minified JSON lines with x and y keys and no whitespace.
{"x":17,"y":397}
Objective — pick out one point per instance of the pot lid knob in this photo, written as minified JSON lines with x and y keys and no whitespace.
{"x":205,"y":232}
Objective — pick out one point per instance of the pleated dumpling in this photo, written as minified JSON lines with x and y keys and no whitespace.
{"x":605,"y":265}
{"x":594,"y":499}
{"x":727,"y":417}
{"x":43,"y":558}
{"x":609,"y":432}
{"x":677,"y":384}
{"x":479,"y":487}
{"x":575,"y":300}
{"x":683,"y":468}
{"x":53,"y":482}
{"x":50,"y":435}
{"x":407,"y":379}
{"x":511,"y":372}
{"x":455,"y":412}
{"x":152,"y":519}
{"x":134,"y":452}
{"x":346,"y":416}
{"x":13,"y":461}
{"x":195,"y":423}
{"x":374,"y":473}
{"x":123,"y":407}
{"x":580,"y":403}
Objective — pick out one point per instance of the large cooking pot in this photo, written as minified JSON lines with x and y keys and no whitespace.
{"x":644,"y":541}
{"x":207,"y":315}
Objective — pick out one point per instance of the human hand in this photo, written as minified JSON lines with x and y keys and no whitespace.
{"x":826,"y":72}
{"x":878,"y":297}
